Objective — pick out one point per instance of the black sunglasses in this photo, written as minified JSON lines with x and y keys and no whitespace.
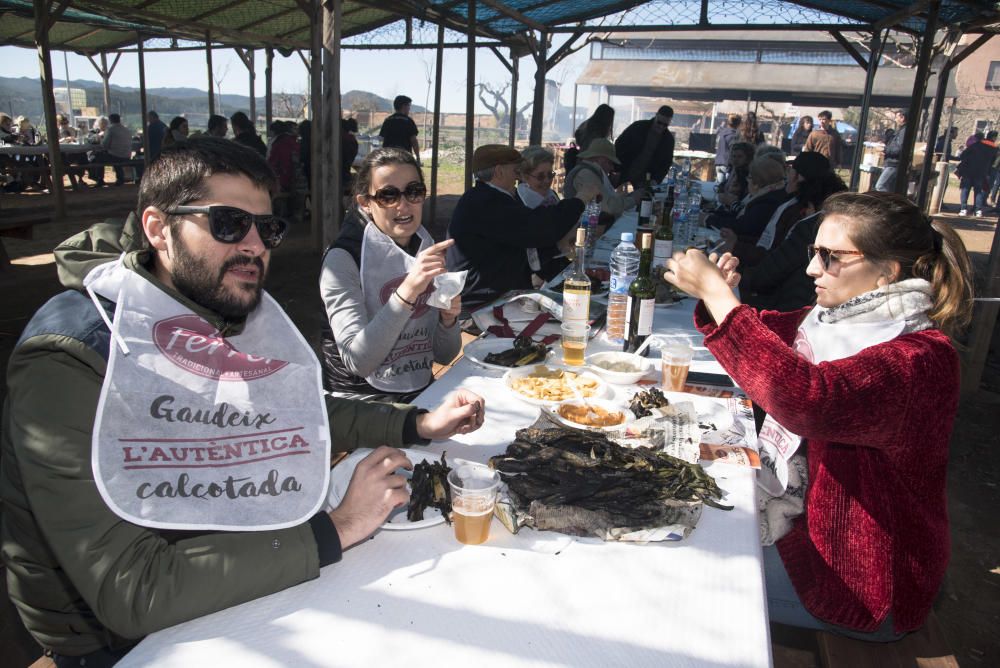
{"x":230,"y":225}
{"x":828,"y":255}
{"x":387,"y":196}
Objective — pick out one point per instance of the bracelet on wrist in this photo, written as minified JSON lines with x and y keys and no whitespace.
{"x":412,"y":305}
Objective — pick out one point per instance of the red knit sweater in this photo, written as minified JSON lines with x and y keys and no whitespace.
{"x":874,"y":537}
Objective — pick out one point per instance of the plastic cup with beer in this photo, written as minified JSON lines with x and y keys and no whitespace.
{"x":473,"y":495}
{"x":676,"y":358}
{"x":574,"y":341}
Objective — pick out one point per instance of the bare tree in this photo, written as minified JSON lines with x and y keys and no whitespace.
{"x":497,"y":102}
{"x":219,"y":75}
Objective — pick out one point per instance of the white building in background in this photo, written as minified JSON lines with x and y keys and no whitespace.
{"x":72,"y":101}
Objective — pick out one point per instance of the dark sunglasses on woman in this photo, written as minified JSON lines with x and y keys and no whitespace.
{"x":230,"y":225}
{"x":827,"y":255}
{"x":387,"y":196}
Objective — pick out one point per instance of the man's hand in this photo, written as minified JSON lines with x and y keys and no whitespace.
{"x":730,"y":237}
{"x":375,"y":490}
{"x":460,"y":413}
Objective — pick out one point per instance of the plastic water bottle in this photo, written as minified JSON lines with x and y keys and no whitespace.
{"x":624,"y":267}
{"x":593,"y":214}
{"x":686,"y":169}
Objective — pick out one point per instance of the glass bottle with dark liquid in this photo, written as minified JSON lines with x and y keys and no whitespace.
{"x":641,"y":298}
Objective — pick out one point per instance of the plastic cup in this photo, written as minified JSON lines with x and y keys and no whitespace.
{"x":473,"y":495}
{"x":574,"y":342}
{"x":676,"y":360}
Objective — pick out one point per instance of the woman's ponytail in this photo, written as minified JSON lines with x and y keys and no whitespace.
{"x":949,"y":272}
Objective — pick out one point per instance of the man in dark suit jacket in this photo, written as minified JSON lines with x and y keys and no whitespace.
{"x":493,"y":230}
{"x":646,"y":147}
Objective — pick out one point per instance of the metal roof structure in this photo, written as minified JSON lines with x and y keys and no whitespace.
{"x":91,"y":26}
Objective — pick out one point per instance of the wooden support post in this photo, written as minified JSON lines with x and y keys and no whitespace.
{"x":470,"y":89}
{"x":43,"y":21}
{"x":917,"y":99}
{"x":253,"y":93}
{"x":436,"y":140}
{"x":333,"y":203}
{"x":874,"y":55}
{"x":515,"y":80}
{"x":316,"y":114}
{"x":538,"y":108}
{"x":984,"y":319}
{"x":211,"y":74}
{"x":106,"y":80}
{"x":269,"y":87}
{"x":576,"y":90}
{"x":142,"y":101}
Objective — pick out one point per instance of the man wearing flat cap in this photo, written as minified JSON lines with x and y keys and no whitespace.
{"x":593,"y":168}
{"x":492,"y":229}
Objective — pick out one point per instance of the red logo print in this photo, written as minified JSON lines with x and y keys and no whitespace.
{"x":390,"y":286}
{"x":195,"y":346}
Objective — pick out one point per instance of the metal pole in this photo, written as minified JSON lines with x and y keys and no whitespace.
{"x":211,"y":74}
{"x":916,"y":100}
{"x":538,"y":108}
{"x":142,"y":101}
{"x":269,"y":87}
{"x":106,"y":79}
{"x":470,"y":100}
{"x":874,"y":55}
{"x":333,"y":202}
{"x":436,"y":136}
{"x":515,"y":80}
{"x":576,"y":90}
{"x":69,"y":92}
{"x":49,"y":104}
{"x":932,"y":128}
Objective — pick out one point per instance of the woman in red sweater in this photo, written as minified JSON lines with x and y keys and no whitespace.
{"x":861,"y":393}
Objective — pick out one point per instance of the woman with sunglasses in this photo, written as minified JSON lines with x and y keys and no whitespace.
{"x":861,"y":393}
{"x":533,"y":191}
{"x":381,"y":338}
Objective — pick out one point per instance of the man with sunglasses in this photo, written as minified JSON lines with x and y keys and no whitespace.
{"x":492,"y":229}
{"x":646,"y":147}
{"x":166,"y":442}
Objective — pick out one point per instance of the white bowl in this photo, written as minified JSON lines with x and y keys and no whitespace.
{"x":640,"y":363}
{"x":607,"y":405}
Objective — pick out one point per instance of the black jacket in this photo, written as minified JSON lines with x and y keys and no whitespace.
{"x":975,"y":164}
{"x":751,"y":222}
{"x":629,"y":145}
{"x":253,"y":140}
{"x":779,"y":282}
{"x":492,"y":230}
{"x":894,"y":147}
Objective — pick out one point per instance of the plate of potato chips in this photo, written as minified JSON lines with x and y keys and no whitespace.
{"x":543,"y":385}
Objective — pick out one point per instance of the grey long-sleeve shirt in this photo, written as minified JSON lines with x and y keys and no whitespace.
{"x":364,"y":343}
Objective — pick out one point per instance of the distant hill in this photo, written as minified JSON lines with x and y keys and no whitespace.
{"x":23,"y":95}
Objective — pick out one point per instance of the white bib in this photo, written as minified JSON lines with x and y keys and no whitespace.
{"x":409,"y":366}
{"x":195,"y":431}
{"x":766,"y":240}
{"x":814,"y":342}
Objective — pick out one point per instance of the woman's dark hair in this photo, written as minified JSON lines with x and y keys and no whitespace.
{"x":349,"y":124}
{"x":599,"y":124}
{"x":744,"y":147}
{"x":802,"y":122}
{"x":178,"y":175}
{"x":176,"y":122}
{"x":382,"y":157}
{"x":887,"y":227}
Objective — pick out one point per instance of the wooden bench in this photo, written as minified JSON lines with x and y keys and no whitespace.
{"x":17,"y":227}
{"x":926,"y":648}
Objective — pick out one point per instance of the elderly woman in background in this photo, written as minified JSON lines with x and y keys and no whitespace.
{"x":766,"y":184}
{"x":735,"y":188}
{"x":381,"y":338}
{"x":535,"y":190}
{"x":861,"y":394}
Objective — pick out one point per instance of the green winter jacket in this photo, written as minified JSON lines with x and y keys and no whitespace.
{"x":81,"y":577}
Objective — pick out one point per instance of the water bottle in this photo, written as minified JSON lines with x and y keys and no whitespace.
{"x":680,"y":217}
{"x":593,"y":214}
{"x":686,"y":169}
{"x":624,"y":268}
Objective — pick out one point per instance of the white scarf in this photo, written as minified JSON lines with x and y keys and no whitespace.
{"x":824,"y":336}
{"x":533,"y":200}
{"x":766,"y":240}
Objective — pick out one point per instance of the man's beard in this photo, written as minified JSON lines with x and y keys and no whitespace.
{"x":194,"y":279}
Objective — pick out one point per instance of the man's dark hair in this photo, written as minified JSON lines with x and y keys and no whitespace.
{"x":350,"y":124}
{"x":901,"y":112}
{"x":400,"y":102}
{"x":178,"y":176}
{"x":216,"y":121}
{"x":241,"y":122}
{"x":665,"y":110}
{"x":825,"y":114}
{"x":153,"y":116}
{"x":991,"y":135}
{"x":114,"y":118}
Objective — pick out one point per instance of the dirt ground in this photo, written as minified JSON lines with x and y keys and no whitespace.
{"x":968,"y":606}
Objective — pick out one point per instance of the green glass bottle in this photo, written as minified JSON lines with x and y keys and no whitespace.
{"x":641,"y":298}
{"x":663,"y":242}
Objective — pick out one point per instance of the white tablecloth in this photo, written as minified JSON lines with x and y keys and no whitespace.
{"x":420,"y":598}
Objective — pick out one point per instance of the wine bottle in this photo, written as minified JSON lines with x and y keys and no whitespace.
{"x":663,"y":242}
{"x":576,"y":287}
{"x":641,"y":299}
{"x":646,"y":203}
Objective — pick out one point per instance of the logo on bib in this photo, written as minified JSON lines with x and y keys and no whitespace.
{"x":195,"y":346}
{"x":390,"y":286}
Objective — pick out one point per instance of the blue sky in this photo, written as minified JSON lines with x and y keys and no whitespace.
{"x":386,"y":73}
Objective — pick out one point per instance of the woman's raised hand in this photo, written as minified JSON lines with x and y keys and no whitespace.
{"x":707,"y":278}
{"x":429,"y":263}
